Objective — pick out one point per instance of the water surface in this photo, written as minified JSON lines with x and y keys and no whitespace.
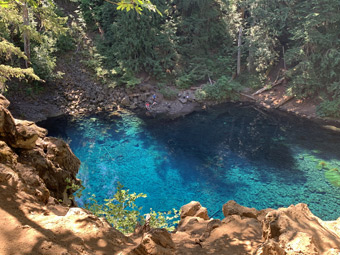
{"x":243,"y":153}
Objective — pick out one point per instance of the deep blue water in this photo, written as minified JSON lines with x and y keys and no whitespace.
{"x":256,"y":158}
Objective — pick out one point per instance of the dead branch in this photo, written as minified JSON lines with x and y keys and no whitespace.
{"x":248,"y":96}
{"x":268,"y":87}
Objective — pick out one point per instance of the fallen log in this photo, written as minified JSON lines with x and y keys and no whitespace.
{"x":268,"y":87}
{"x":248,"y":96}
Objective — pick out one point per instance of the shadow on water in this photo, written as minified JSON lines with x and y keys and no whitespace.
{"x":208,"y":138}
{"x":200,"y":145}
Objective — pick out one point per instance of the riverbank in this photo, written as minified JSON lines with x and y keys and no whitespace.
{"x":78,"y":94}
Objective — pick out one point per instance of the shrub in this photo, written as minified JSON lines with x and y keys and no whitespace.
{"x":169,"y":93}
{"x":329,"y":109}
{"x":223,"y":89}
{"x":65,"y":43}
{"x":122,"y":212}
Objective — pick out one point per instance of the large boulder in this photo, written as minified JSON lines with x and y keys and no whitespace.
{"x":126,"y":101}
{"x":233,"y":208}
{"x":18,"y":133}
{"x":194,"y":209}
{"x":27,"y":133}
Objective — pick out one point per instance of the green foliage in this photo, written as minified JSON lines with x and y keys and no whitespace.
{"x":333,"y":176}
{"x":315,"y":49}
{"x":251,"y":80}
{"x":8,"y":49}
{"x":189,"y":46}
{"x":123,"y":213}
{"x":163,"y":219}
{"x":130,"y":79}
{"x":137,"y":5}
{"x":184,"y":82}
{"x":329,"y":108}
{"x":42,"y":27}
{"x":223,"y":89}
{"x":7,"y":72}
{"x":44,"y":59}
{"x":169,"y":93}
{"x":75,"y":188}
{"x":94,"y":60}
{"x":65,"y":43}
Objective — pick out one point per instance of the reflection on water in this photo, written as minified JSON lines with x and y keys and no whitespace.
{"x":230,"y":152}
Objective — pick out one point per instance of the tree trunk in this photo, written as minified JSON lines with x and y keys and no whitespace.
{"x":284,"y":60}
{"x":239,"y":51}
{"x":26,"y":34}
{"x":251,"y":49}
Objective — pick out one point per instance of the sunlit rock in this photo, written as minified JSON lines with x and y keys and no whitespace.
{"x":194,"y":209}
{"x":27,"y":133}
{"x":233,"y":208}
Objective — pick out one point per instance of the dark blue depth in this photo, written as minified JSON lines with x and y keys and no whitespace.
{"x":243,"y":153}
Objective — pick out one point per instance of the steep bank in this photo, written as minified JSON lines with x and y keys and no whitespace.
{"x":35,"y":217}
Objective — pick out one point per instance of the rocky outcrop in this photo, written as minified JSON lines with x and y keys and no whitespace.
{"x":285,"y":231}
{"x":44,"y":165}
{"x":297,"y":231}
{"x":194,"y":209}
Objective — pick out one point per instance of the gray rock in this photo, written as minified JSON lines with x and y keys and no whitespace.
{"x":183,"y":100}
{"x":125,"y":101}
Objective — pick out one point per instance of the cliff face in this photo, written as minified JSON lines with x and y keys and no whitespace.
{"x":35,"y":217}
{"x":43,"y":164}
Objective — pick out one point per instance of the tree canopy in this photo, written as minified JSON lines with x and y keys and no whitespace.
{"x":192,"y":42}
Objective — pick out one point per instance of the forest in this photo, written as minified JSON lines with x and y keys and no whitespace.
{"x":225,"y":45}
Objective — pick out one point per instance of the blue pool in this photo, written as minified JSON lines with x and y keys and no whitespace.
{"x":239,"y":152}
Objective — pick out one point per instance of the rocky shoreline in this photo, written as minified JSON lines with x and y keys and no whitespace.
{"x":78,"y":93}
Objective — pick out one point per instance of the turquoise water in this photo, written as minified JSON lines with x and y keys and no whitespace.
{"x":229,"y":152}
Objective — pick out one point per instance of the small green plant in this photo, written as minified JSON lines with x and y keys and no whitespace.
{"x":123,"y":213}
{"x":169,"y":93}
{"x":200,"y":95}
{"x":76,"y":189}
{"x":130,"y":79}
{"x":184,"y":81}
{"x":65,"y":43}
